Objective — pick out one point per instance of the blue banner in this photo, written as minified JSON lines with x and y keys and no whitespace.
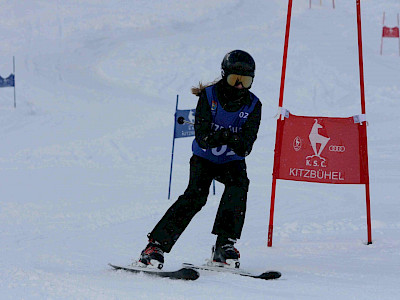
{"x":184,"y":130}
{"x":9,"y":81}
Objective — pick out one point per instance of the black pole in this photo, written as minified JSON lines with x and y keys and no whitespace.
{"x":15,"y":100}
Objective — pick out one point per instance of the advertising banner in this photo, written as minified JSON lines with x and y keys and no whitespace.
{"x":185,"y":129}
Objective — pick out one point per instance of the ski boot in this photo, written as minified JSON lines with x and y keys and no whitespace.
{"x":224,"y":254}
{"x":152,"y":256}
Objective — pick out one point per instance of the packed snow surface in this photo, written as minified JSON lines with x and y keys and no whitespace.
{"x":85,"y":155}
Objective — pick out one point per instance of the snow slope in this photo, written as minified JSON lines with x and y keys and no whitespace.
{"x":85,"y":156}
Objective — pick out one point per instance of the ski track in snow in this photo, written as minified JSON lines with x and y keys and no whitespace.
{"x":85,"y":157}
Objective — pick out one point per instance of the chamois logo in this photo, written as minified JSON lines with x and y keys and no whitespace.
{"x":191,"y":116}
{"x":317,"y":139}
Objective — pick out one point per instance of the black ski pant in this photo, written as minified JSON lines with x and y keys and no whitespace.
{"x":232,"y":208}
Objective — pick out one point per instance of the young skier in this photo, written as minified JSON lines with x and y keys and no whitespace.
{"x":226,"y":124}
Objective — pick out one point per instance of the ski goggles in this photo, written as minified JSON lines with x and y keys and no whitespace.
{"x":234,"y":79}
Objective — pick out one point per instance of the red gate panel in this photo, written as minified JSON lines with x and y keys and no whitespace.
{"x":319,"y":149}
{"x":390,"y":32}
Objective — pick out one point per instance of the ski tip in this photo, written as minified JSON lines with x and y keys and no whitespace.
{"x":189,"y":274}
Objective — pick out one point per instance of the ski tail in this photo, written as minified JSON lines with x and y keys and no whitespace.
{"x":269,"y":275}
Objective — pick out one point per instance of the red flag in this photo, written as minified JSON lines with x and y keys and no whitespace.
{"x":319,"y":149}
{"x":390,"y":32}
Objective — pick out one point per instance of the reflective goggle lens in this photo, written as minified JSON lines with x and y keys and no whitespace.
{"x":234,"y":79}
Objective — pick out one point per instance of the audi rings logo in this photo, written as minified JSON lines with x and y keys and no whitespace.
{"x":333,"y":148}
{"x":297,"y":143}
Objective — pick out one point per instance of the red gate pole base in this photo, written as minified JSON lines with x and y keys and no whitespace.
{"x":271,"y":213}
{"x":368,"y":214}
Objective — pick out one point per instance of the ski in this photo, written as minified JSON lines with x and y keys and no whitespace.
{"x":184,"y":273}
{"x":266,"y":275}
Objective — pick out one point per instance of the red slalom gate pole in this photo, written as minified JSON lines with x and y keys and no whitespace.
{"x":279,"y":122}
{"x":383,"y":24}
{"x":285,"y":51}
{"x":364,"y":128}
{"x":271,"y":213}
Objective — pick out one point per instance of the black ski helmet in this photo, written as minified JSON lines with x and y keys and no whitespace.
{"x":238,"y":62}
